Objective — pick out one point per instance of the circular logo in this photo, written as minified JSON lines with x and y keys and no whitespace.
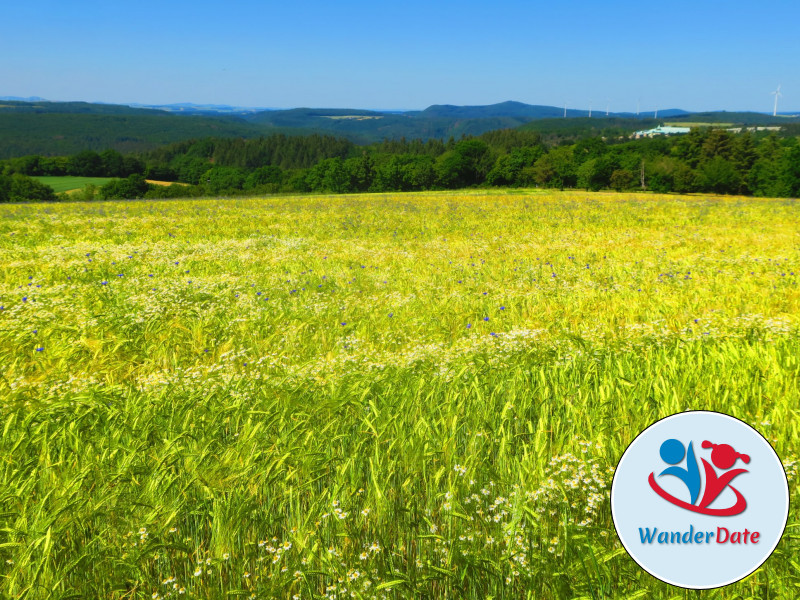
{"x":700,"y":499}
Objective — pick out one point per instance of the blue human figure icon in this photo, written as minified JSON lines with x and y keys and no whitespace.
{"x":672,"y":453}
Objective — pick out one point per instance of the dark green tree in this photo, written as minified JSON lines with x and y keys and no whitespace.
{"x":21,"y":188}
{"x":130,"y":188}
{"x":718,"y":175}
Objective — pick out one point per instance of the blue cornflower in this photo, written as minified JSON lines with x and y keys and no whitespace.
{"x":40,"y":349}
{"x":469,"y":325}
{"x":103,"y":283}
{"x":24,"y":298}
{"x":485,"y":318}
{"x":502,"y":308}
{"x":344,"y":323}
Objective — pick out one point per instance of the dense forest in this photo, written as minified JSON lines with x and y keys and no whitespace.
{"x":64,"y":128}
{"x":704,"y":160}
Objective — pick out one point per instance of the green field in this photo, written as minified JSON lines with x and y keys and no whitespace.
{"x":67,"y":184}
{"x":375,"y":396}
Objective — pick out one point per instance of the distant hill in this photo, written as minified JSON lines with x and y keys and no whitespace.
{"x":57,"y":128}
{"x":437,"y":121}
{"x":28,"y":99}
{"x":60,"y":128}
{"x":737,"y":118}
{"x":188,"y":108}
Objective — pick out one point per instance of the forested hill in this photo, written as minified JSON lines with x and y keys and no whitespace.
{"x":61,"y":128}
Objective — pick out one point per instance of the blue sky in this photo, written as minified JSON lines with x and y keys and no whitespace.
{"x":698,"y":55}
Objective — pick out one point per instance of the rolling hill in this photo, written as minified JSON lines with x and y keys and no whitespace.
{"x":59,"y":128}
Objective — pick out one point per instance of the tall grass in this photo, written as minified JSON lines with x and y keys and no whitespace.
{"x":390,"y":396}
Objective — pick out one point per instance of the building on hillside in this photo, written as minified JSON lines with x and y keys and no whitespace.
{"x":661,"y":130}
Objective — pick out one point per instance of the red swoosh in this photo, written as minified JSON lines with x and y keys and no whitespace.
{"x":737,"y":508}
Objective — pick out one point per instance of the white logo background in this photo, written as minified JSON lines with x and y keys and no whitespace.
{"x":635,"y":505}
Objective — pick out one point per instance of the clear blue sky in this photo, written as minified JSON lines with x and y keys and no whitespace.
{"x":698,"y":55}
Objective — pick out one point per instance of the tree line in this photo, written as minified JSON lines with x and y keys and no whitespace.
{"x":704,"y":160}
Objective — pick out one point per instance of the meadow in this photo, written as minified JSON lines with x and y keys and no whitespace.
{"x":68,"y":183}
{"x":374,"y":396}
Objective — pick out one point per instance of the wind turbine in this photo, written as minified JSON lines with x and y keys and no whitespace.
{"x":777,"y":94}
{"x":607,"y":105}
{"x":590,"y":109}
{"x":565,"y":110}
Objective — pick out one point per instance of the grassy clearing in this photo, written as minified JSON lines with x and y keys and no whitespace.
{"x":697,"y":124}
{"x":386,"y":396}
{"x":69,"y":183}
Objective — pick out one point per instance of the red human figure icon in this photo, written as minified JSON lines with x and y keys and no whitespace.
{"x":724,"y":457}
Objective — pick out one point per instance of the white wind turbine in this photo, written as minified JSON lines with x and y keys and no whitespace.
{"x":777,"y":94}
